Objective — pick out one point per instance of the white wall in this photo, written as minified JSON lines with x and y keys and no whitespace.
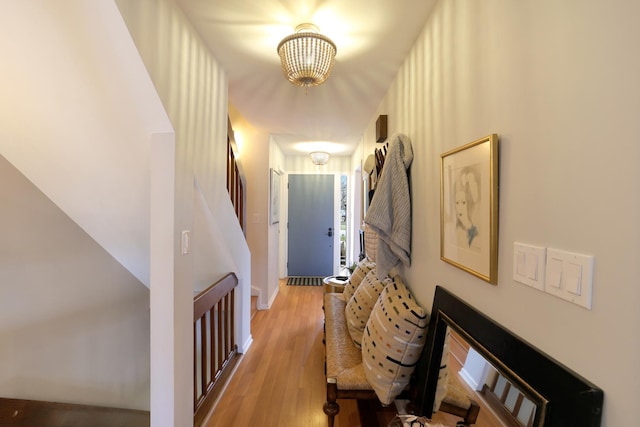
{"x":74,"y":323}
{"x":558,"y":82}
{"x":77,"y":112}
{"x":277,"y":231}
{"x":253,"y":146}
{"x":193,"y":89}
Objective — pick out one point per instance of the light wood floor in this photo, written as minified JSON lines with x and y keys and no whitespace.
{"x":280,"y":381}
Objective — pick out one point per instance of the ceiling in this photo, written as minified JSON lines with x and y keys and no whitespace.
{"x":372,"y":37}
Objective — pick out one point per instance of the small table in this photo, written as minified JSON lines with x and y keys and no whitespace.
{"x":335,"y":284}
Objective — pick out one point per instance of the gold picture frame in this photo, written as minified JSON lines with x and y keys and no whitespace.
{"x":469,"y":208}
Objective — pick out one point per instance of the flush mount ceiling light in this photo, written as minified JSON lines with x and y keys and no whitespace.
{"x":306,"y":56}
{"x":319,"y":158}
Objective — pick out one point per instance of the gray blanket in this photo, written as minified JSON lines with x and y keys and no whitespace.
{"x":390,"y":212}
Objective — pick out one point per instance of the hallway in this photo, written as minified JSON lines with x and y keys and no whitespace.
{"x":280,"y":381}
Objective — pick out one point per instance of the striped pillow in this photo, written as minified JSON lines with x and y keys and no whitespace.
{"x":356,"y":277}
{"x":361,"y":303}
{"x":393,"y":340}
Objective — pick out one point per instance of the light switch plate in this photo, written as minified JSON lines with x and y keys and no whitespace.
{"x":529,"y":265}
{"x":570,"y":276}
{"x":185,"y":237}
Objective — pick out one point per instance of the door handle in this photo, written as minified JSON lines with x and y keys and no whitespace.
{"x":330,"y":233}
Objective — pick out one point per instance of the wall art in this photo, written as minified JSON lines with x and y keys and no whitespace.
{"x":469,"y":208}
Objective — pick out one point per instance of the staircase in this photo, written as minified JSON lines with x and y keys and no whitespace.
{"x":81,"y":131}
{"x":19,"y":413}
{"x":81,"y":119}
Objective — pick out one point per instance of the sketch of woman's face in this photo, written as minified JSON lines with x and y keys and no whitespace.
{"x":461,"y":206}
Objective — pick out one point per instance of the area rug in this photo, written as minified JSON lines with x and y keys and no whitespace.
{"x":304,"y":281}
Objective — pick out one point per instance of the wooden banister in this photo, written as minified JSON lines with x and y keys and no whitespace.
{"x":235,"y":177}
{"x":215,"y":351}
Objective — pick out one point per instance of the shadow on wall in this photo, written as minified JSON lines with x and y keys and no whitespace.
{"x":74,"y":322}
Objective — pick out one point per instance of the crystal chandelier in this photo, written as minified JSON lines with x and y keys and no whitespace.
{"x":306,"y":56}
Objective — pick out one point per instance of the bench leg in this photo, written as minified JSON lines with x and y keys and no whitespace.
{"x":331,"y":407}
{"x":472,"y":415}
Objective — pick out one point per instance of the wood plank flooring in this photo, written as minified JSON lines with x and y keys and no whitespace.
{"x":280,"y":381}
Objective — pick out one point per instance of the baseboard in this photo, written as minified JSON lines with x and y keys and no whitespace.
{"x":246,"y":345}
{"x":468,"y":379}
{"x":273,"y":297}
{"x":269,"y":303}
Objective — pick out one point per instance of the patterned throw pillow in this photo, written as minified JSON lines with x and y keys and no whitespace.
{"x":393,"y":340}
{"x":361,"y":303}
{"x":358,"y":274}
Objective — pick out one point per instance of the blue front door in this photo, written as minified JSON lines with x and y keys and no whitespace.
{"x":311,"y":233}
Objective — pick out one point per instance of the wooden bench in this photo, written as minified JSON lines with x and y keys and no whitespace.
{"x":345,"y":374}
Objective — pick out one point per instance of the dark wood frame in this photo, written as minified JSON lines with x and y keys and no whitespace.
{"x":567,"y":399}
{"x":381,"y":128}
{"x":214,"y":309}
{"x":497,"y":404}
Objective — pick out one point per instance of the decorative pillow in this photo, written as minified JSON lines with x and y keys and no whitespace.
{"x":358,"y":274}
{"x":361,"y":303}
{"x":393,"y":340}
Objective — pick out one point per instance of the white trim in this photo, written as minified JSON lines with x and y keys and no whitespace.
{"x":475,"y":370}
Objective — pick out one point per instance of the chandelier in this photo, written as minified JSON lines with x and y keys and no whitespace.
{"x":306,"y":56}
{"x":319,"y":158}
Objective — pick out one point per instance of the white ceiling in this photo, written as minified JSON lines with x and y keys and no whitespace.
{"x":372,"y":37}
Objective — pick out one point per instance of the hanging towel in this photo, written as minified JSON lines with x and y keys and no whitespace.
{"x":390,"y":211}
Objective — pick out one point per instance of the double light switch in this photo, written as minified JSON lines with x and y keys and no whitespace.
{"x":570,"y":276}
{"x":564,"y":274}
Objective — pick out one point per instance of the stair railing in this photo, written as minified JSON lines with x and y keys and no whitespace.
{"x":215,"y":351}
{"x":235,"y":178}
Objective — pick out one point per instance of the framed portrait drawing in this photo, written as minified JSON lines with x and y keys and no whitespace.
{"x":469,"y":208}
{"x":274,"y":210}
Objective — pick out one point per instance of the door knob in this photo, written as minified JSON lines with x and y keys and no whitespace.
{"x":330,"y":233}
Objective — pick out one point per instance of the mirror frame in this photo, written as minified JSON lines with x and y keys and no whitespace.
{"x":565,"y":398}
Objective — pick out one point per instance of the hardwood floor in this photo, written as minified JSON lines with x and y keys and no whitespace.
{"x":280,"y":381}
{"x":29,"y":413}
